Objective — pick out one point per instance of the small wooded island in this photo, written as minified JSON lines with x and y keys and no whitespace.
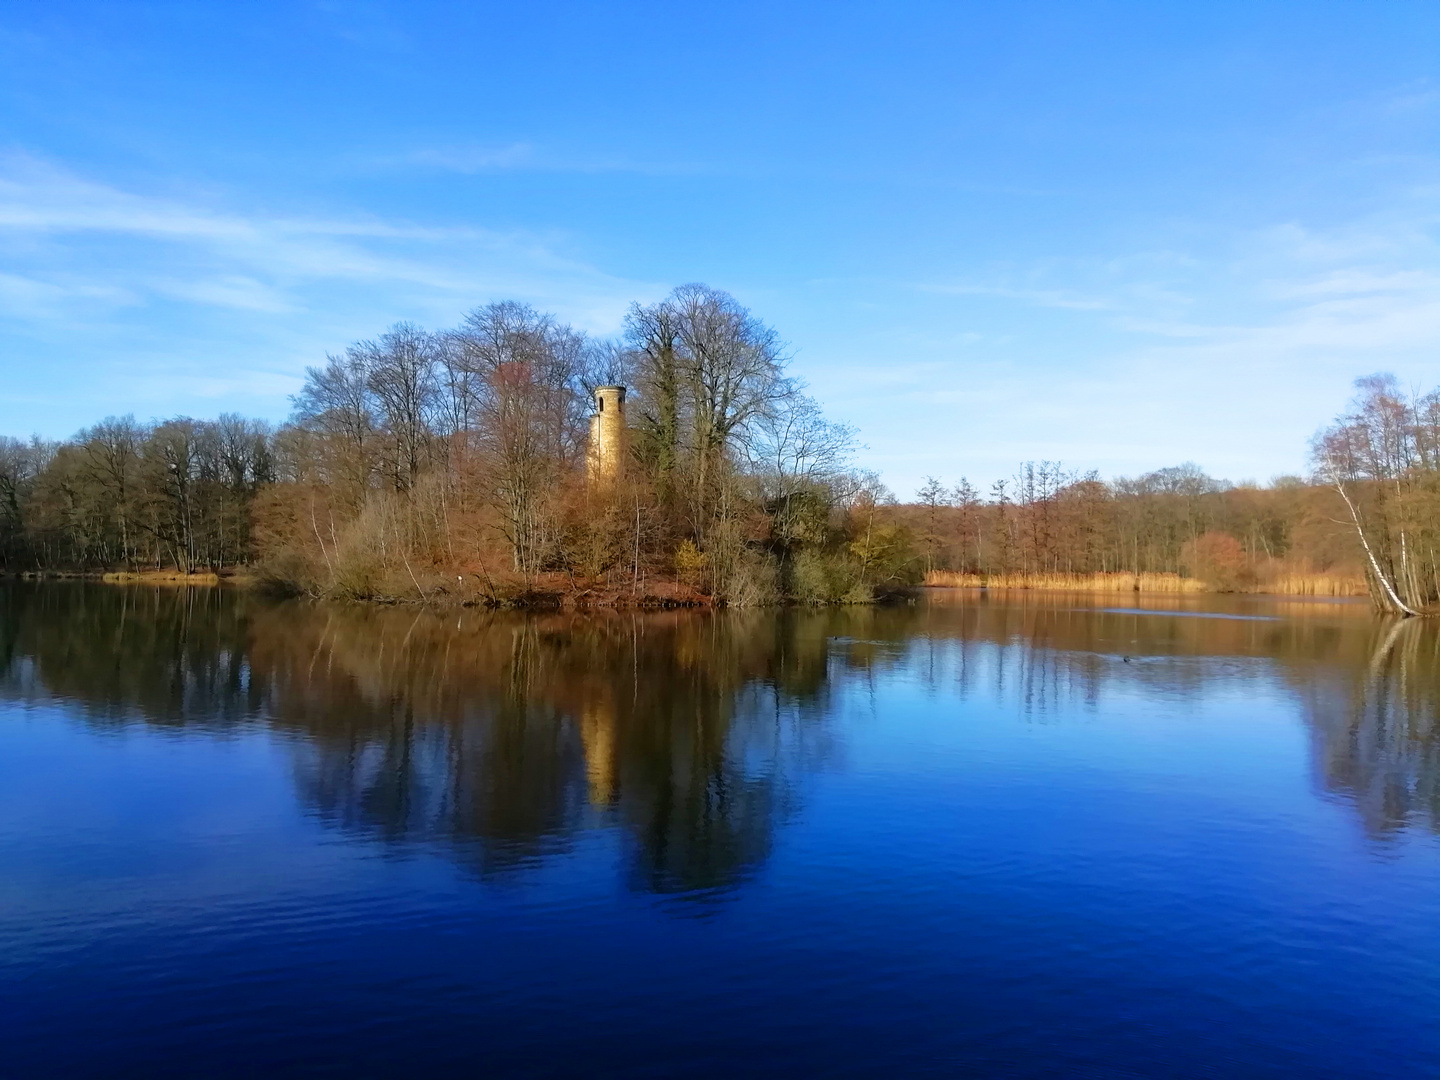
{"x":514,"y":460}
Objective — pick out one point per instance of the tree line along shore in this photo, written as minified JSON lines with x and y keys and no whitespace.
{"x":457,"y":465}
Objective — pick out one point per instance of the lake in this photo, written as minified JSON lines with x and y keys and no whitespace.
{"x":1023,"y":836}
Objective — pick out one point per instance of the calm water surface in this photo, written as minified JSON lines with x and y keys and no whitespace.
{"x":969,"y":837}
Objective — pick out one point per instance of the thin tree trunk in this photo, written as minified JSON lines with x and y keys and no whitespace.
{"x":1381,"y":580}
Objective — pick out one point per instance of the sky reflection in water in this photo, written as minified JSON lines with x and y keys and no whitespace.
{"x":245,"y":835}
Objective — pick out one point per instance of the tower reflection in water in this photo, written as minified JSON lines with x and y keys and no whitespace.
{"x":505,"y":738}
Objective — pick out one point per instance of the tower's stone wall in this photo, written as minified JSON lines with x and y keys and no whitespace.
{"x":608,"y":435}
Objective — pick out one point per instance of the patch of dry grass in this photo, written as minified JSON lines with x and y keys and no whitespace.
{"x":1301,"y":584}
{"x":1282,"y":584}
{"x":1097,"y":583}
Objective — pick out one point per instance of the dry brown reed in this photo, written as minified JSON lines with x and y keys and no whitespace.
{"x":1285,"y":584}
{"x":1099,"y":583}
{"x":1313,"y":585}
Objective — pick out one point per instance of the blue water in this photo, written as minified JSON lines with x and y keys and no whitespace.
{"x":962,"y":838}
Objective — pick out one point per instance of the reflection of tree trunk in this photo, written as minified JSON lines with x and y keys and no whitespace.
{"x":1381,"y":655}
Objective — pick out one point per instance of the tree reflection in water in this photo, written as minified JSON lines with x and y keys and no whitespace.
{"x":1375,"y":732}
{"x":503,"y":737}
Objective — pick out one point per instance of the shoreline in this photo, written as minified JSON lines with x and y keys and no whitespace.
{"x":670,"y":596}
{"x":667,"y":596}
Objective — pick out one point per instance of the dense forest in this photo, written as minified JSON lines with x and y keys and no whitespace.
{"x":452,"y":463}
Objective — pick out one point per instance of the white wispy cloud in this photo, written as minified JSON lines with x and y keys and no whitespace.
{"x":1229,"y":348}
{"x":29,"y":297}
{"x":264,"y":262}
{"x":1040,"y":297}
{"x":1364,"y":288}
{"x":475,"y":159}
{"x":115,"y":298}
{"x":183,"y":386}
{"x":464,"y":159}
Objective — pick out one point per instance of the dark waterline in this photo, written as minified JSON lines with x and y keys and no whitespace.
{"x":977,"y":837}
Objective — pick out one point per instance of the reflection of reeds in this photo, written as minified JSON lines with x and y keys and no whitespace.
{"x":160,"y":577}
{"x":1289,"y":584}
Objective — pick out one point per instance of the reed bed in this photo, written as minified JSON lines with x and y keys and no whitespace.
{"x":1292,"y":584}
{"x":1312,"y":585}
{"x":1097,"y":583}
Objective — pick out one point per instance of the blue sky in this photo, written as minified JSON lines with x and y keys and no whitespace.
{"x":1118,"y":235}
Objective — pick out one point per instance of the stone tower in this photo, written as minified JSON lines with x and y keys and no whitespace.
{"x":607,"y":435}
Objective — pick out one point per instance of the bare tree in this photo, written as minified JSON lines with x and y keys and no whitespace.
{"x":400,"y":375}
{"x":966,"y":499}
{"x":170,"y":459}
{"x":799,"y":459}
{"x":1377,"y":457}
{"x":730,"y":371}
{"x":336,"y":404}
{"x":530,"y":410}
{"x":932,"y":496}
{"x":20,"y":465}
{"x":113,"y":449}
{"x":653,"y":333}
